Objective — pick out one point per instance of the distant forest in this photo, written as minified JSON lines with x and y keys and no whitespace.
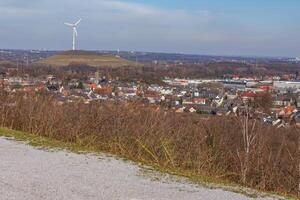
{"x":153,"y":73}
{"x":154,"y":66}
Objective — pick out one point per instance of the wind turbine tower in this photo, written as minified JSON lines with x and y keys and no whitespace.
{"x":75,"y":33}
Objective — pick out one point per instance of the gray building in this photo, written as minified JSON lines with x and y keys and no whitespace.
{"x":290,"y":86}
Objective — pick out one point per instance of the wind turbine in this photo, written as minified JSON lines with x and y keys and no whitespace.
{"x":75,"y":33}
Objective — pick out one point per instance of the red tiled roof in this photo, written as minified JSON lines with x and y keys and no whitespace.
{"x":266,"y":87}
{"x":197,"y":100}
{"x":104,"y":90}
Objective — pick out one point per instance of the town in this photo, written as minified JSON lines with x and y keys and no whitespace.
{"x":275,"y":99}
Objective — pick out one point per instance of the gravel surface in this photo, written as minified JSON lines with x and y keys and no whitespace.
{"x":27,"y":173}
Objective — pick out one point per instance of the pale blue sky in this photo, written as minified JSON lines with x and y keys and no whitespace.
{"x":218,"y":27}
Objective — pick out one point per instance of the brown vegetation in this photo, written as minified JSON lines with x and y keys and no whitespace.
{"x":239,"y":150}
{"x":85,"y":58}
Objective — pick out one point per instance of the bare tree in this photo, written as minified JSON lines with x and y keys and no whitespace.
{"x":298,"y":160}
{"x":249,"y":135}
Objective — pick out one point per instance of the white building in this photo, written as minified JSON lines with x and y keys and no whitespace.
{"x":287,"y":85}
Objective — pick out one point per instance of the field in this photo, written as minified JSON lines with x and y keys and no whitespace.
{"x":86,"y":58}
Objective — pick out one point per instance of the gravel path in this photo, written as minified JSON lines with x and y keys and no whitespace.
{"x":27,"y":173}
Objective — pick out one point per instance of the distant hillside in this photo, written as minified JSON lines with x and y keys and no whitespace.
{"x":89,"y":58}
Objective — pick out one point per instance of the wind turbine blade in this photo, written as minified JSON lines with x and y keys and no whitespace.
{"x":69,"y":24}
{"x":78,"y":22}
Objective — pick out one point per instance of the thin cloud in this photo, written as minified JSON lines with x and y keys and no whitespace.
{"x":113,"y":24}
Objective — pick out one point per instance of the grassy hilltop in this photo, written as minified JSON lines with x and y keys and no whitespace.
{"x":89,"y":58}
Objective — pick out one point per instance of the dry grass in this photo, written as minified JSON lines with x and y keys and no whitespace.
{"x":86,"y":58}
{"x":185,"y":144}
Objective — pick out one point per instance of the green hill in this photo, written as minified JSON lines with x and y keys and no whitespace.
{"x":89,"y":58}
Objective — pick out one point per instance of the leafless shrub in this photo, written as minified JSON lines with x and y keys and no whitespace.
{"x":240,"y":150}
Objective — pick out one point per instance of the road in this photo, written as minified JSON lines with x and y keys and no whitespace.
{"x":27,"y":173}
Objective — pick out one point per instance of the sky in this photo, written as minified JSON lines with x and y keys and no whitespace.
{"x":207,"y":27}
